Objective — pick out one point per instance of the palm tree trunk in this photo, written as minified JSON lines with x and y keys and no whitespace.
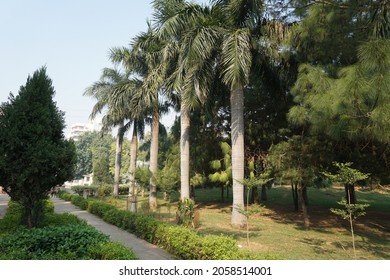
{"x":154,"y":159}
{"x":184,"y":151}
{"x":133,"y":162}
{"x":237,"y":135}
{"x":118,"y":160}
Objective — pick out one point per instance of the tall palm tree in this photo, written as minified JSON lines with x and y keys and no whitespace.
{"x":129,"y":101}
{"x":103,"y":90}
{"x":144,"y":60}
{"x":178,"y":23}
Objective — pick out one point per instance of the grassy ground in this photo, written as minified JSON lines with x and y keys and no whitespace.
{"x":278,"y":230}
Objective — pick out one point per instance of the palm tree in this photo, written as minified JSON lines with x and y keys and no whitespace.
{"x":103,"y":90}
{"x":190,"y":75}
{"x":144,"y":60}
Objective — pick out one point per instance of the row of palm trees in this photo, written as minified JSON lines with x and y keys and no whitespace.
{"x":186,"y":48}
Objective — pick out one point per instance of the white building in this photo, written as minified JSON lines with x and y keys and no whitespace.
{"x":78,"y":129}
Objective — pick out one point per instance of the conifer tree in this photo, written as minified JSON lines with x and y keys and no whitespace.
{"x":34,"y":155}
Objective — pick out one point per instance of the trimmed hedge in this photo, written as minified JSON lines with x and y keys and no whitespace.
{"x":182,"y":242}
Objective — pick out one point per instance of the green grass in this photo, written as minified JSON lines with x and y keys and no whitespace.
{"x":278,"y":230}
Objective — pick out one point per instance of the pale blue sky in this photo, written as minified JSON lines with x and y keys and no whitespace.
{"x":71,"y":38}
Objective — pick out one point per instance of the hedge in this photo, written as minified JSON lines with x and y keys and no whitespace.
{"x":182,"y":242}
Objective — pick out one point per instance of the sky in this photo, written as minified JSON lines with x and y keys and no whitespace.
{"x":71,"y":38}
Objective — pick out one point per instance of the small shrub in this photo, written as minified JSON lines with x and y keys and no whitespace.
{"x":113,"y":216}
{"x":38,"y":242}
{"x":79,"y":201}
{"x":186,"y":213}
{"x":104,"y":190}
{"x":99,"y":208}
{"x":63,"y":219}
{"x":214,"y":247}
{"x":111,"y":251}
{"x":65,"y":195}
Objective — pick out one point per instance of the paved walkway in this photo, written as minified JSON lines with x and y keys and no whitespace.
{"x":3,"y":204}
{"x":142,"y":249}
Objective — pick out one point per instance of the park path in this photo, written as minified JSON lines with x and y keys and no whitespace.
{"x":142,"y":249}
{"x":3,"y":204}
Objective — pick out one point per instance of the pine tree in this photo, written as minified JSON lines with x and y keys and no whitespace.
{"x":34,"y":155}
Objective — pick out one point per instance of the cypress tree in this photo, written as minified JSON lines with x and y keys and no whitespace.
{"x":34,"y":155}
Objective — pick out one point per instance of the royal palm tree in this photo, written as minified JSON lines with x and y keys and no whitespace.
{"x":103,"y":90}
{"x":144,"y":60}
{"x":181,"y":24}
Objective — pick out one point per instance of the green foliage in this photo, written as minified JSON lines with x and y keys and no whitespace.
{"x":218,"y":247}
{"x":99,"y":208}
{"x":346,"y":174}
{"x":65,"y":195}
{"x":101,"y":159}
{"x":34,"y":155}
{"x":37,"y":243}
{"x":222,"y":167}
{"x":81,"y":189}
{"x":111,"y":251}
{"x":53,"y":219}
{"x":84,"y":154}
{"x":80,"y":202}
{"x":142,"y":176}
{"x":185,"y":214}
{"x":197,"y":180}
{"x":13,"y":218}
{"x":168,"y":177}
{"x":350,"y":210}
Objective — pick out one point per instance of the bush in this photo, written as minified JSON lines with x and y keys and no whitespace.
{"x":111,"y":251}
{"x":65,"y":195}
{"x":13,"y":218}
{"x":81,"y":189}
{"x":215,"y":247}
{"x":180,"y":241}
{"x":64,"y":219}
{"x":104,"y":190}
{"x":99,"y":208}
{"x":113,"y":216}
{"x":79,"y":201}
{"x":36,"y":243}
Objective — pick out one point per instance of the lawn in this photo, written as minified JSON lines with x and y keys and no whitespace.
{"x":278,"y":230}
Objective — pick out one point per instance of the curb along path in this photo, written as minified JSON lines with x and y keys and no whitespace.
{"x":142,"y":249}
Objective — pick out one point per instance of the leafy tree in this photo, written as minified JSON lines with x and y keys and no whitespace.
{"x":342,"y":86}
{"x":101,"y":147}
{"x":34,"y":155}
{"x":84,"y":154}
{"x":350,"y":212}
{"x":299,"y":161}
{"x":349,"y":177}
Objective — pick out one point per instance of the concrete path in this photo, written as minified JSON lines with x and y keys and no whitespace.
{"x":142,"y":249}
{"x":3,"y":204}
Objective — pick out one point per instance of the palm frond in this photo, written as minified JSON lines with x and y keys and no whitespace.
{"x":237,"y":58}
